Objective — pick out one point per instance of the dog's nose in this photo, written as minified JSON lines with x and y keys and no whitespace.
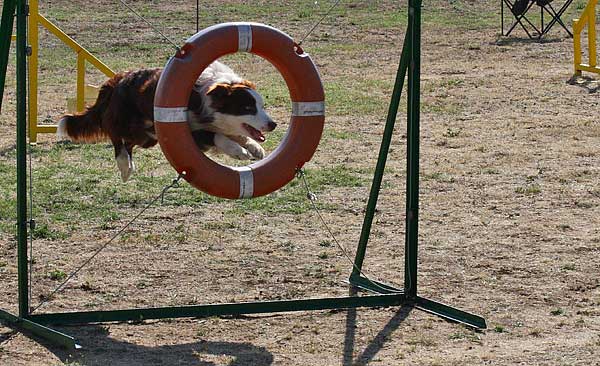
{"x":271,"y":126}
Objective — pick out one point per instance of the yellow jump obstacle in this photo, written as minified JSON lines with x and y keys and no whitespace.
{"x":588,"y":18}
{"x":85,"y":93}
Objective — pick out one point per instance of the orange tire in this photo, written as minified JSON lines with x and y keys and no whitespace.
{"x":302,"y":137}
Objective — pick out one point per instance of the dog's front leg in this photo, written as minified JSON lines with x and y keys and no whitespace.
{"x":252,"y":146}
{"x":231,"y":148}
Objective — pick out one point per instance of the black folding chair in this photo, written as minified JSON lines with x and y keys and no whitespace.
{"x":519,"y":10}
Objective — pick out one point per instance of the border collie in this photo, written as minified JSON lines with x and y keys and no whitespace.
{"x":225,"y":112}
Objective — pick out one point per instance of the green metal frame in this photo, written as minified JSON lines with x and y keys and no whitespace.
{"x":384,"y":295}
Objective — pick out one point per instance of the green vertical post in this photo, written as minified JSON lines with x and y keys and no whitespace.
{"x":6,"y":28}
{"x":412,"y":147}
{"x":22,"y":158}
{"x":382,"y":158}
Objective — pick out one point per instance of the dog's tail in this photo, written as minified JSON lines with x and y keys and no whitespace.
{"x":86,"y":126}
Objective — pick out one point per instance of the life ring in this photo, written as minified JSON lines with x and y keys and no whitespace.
{"x":301,"y":139}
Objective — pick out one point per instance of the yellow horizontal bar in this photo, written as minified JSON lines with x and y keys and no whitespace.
{"x":579,"y":24}
{"x":75,"y":46}
{"x":46,"y":128}
{"x":588,"y":68}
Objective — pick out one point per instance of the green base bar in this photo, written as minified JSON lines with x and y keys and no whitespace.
{"x":37,"y":330}
{"x":373,"y":286}
{"x":219,"y":309}
{"x":430,"y":306}
{"x":450,"y":313}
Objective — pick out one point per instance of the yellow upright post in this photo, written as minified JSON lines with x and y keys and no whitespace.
{"x":35,"y":21}
{"x":588,"y":18}
{"x":592,"y":34}
{"x":80,"y":81}
{"x":576,"y":47}
{"x":33,"y":69}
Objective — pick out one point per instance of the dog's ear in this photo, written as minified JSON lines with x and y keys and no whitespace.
{"x":217,"y":94}
{"x":249,"y":84}
{"x":219,"y":90}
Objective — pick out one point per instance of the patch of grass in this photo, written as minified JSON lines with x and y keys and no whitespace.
{"x":531,"y":189}
{"x":292,"y":198}
{"x":345,"y":100}
{"x":287,"y":246}
{"x":421,"y":341}
{"x":491,"y":171}
{"x":459,"y":14}
{"x":557,"y":312}
{"x":439,"y":105}
{"x":57,"y":275}
{"x":340,"y":135}
{"x":581,"y":204}
{"x":452,"y":132}
{"x":220,"y":225}
{"x":471,"y":336}
{"x":451,"y":83}
{"x":325,"y":243}
{"x":45,"y":232}
{"x":499,"y":329}
{"x":569,"y":267}
{"x":439,"y":177}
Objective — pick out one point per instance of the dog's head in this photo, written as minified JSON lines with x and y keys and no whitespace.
{"x":239,"y":110}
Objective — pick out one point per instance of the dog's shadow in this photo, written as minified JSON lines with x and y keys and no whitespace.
{"x":100,"y":350}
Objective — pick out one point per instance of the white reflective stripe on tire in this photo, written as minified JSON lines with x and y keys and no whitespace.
{"x":244,"y":37}
{"x":307,"y":109}
{"x":170,"y":114}
{"x":246,"y":181}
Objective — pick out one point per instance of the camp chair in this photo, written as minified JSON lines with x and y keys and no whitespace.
{"x":519,"y":10}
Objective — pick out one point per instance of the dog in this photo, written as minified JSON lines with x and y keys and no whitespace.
{"x":225,"y":112}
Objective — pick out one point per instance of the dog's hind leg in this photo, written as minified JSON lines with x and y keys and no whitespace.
{"x":124,"y":162}
{"x":129,"y":150}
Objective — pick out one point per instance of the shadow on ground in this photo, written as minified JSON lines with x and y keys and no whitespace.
{"x":585,"y":82}
{"x":376,"y":344}
{"x":103,"y":350}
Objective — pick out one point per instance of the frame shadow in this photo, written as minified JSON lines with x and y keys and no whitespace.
{"x":377,"y":343}
{"x":105,"y":350}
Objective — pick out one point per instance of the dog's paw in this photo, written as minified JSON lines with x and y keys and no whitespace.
{"x":125,"y":174}
{"x":125,"y":165}
{"x":242,"y":154}
{"x":255,"y":150}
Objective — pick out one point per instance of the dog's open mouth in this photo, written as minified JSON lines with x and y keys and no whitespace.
{"x":254,"y":133}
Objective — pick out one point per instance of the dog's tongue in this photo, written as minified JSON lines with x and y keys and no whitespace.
{"x":254,"y":133}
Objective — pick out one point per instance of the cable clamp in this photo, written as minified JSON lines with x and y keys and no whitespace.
{"x":174,"y":184}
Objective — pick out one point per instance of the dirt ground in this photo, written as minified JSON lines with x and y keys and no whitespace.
{"x":509,"y":229}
